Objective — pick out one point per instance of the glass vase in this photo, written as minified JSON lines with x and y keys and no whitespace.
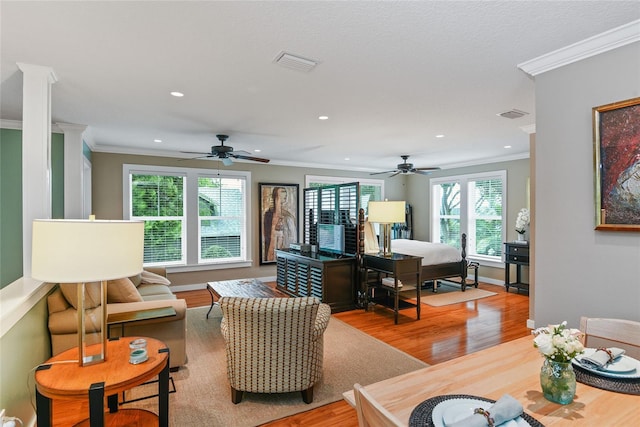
{"x":558,"y":381}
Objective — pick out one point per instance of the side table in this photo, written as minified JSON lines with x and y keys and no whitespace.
{"x":61,"y":377}
{"x":518,"y":254}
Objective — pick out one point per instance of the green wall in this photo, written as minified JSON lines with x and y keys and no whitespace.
{"x":11,"y":198}
{"x":10,"y":206}
{"x":22,"y":348}
{"x":57,"y":176}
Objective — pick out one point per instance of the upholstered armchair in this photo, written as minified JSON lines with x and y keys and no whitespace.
{"x":273,"y":345}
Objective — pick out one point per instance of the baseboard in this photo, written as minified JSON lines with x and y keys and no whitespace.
{"x":489,"y":280}
{"x":201,"y":286}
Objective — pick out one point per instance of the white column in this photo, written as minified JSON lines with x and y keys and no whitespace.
{"x":73,"y":170}
{"x":36,"y":151}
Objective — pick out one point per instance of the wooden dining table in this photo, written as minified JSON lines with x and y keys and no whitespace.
{"x":510,"y":368}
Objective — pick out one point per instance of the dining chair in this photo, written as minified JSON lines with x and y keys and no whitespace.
{"x":602,"y":332}
{"x":370,"y":412}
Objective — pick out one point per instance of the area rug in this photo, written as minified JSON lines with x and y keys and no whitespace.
{"x":448,"y":294}
{"x":203,"y":396}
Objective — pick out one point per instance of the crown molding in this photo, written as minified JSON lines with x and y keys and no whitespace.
{"x":600,"y":43}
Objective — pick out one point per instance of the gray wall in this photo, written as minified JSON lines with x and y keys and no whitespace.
{"x":418,"y":194}
{"x":580,"y":271}
{"x":107,"y":200}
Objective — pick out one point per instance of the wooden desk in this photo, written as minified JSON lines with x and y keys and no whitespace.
{"x":61,"y":377}
{"x":510,"y":368}
{"x":405,"y":268}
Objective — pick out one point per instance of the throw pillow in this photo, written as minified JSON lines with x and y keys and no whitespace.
{"x":91,"y":294}
{"x":153,"y":278}
{"x":122,"y":290}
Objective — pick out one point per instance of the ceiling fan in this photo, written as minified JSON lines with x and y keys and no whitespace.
{"x":226,"y":154}
{"x":407,"y":169}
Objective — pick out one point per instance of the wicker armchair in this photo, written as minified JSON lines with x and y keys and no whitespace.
{"x":274,"y":345}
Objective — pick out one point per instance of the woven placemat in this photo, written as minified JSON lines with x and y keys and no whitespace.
{"x":619,"y":385}
{"x":421,"y":415}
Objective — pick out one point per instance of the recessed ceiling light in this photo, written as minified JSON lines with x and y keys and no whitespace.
{"x":157,"y":140}
{"x":257,"y":150}
{"x":323,"y":118}
{"x":347,"y":158}
{"x":507,"y":146}
{"x":440,"y":136}
{"x":177,"y":94}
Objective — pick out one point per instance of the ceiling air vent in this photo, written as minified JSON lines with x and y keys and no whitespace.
{"x":513,"y":114}
{"x":295,"y":62}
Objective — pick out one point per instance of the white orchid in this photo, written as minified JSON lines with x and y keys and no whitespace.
{"x":558,"y":343}
{"x":522,"y":221}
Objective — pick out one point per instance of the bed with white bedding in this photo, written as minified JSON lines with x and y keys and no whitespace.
{"x":439,"y":260}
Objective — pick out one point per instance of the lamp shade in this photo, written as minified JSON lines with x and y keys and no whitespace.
{"x":386,"y":212}
{"x":78,"y":251}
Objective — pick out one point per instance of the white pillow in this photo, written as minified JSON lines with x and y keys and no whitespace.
{"x":153,"y":278}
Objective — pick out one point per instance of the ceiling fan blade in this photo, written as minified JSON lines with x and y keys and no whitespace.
{"x":196,"y":152}
{"x":240,"y":153}
{"x":195,"y":158}
{"x":424,"y":172}
{"x":428,"y":169}
{"x":378,"y":173}
{"x":394,"y":174}
{"x":255,"y":159}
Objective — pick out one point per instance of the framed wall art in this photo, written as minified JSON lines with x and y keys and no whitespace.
{"x":278,"y":219}
{"x":616,"y":134}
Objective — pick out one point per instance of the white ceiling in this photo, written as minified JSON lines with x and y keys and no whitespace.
{"x":391,"y":75}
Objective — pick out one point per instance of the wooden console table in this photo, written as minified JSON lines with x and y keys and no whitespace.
{"x":405,"y":268}
{"x":61,"y":377}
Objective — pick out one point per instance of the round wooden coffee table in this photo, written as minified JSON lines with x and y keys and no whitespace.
{"x":61,"y":377}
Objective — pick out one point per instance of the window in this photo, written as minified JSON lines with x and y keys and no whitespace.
{"x":221,"y":218}
{"x":192,"y":217}
{"x":471,"y":204}
{"x":158,"y":200}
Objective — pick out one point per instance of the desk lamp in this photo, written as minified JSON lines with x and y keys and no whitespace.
{"x":83,"y":251}
{"x":386,"y":213}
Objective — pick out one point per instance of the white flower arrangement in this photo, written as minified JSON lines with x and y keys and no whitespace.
{"x":558,"y":343}
{"x":522,"y":221}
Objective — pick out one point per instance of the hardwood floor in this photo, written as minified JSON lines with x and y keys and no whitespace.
{"x":442,"y":333}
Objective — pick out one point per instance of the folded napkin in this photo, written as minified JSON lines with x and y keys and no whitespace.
{"x":601,"y":357}
{"x":505,"y":409}
{"x":389,"y":281}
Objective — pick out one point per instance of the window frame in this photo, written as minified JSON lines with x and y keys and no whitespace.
{"x":192,"y":234}
{"x":466,"y":210}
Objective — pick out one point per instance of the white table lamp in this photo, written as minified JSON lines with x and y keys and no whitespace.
{"x":386,"y":213}
{"x":83,"y":251}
